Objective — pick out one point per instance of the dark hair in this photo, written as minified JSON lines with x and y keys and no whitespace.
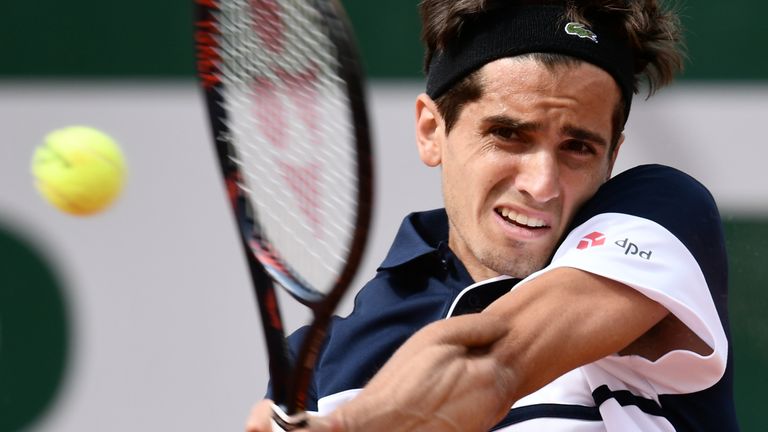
{"x":653,"y":33}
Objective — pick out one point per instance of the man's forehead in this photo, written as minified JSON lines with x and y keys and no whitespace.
{"x":512,"y":74}
{"x":528,"y":93}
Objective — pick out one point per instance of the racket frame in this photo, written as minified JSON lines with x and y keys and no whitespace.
{"x":289,"y":384}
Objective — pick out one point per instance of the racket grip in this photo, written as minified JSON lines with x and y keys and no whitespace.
{"x":282,"y":422}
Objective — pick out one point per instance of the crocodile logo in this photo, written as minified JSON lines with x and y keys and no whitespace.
{"x":580,"y":30}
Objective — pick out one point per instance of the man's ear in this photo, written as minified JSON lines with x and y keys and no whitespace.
{"x":614,"y":155}
{"x":429,"y":131}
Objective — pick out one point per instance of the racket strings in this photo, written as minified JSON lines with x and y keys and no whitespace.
{"x":291,"y":131}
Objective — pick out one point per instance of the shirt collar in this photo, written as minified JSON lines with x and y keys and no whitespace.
{"x":420,"y":234}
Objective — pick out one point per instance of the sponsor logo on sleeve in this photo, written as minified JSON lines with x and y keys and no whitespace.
{"x":592,"y":239}
{"x":597,"y":238}
{"x":633,"y":249}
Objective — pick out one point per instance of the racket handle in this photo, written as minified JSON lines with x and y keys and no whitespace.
{"x":282,"y":422}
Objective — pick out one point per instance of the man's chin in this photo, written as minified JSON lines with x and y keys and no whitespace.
{"x":518,"y":267}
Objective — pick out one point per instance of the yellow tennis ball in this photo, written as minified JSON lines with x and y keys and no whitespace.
{"x":79,"y":170}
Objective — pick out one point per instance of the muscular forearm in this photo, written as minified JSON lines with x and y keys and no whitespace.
{"x":427,"y":385}
{"x":434,"y":380}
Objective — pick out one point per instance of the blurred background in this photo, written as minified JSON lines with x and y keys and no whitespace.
{"x":141,"y":318}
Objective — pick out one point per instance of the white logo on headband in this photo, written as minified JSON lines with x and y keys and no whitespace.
{"x":580,"y":30}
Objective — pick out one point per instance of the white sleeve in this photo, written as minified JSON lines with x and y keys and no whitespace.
{"x":647,"y":257}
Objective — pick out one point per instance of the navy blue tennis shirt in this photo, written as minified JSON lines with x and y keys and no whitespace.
{"x":421,"y":280}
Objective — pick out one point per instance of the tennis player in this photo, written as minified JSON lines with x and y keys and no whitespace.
{"x":574,"y":302}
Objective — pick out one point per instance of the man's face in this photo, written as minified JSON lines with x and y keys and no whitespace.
{"x":520,"y":160}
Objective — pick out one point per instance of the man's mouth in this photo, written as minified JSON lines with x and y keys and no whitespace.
{"x":520,"y":219}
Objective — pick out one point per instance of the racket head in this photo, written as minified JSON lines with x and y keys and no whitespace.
{"x":285,"y":97}
{"x":295,"y":146}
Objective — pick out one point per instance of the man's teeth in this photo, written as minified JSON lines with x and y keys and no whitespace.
{"x":521,"y":219}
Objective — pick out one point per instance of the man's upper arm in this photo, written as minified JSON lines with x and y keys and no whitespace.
{"x":567,"y":318}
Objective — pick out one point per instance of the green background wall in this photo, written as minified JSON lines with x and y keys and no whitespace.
{"x":747,"y":241}
{"x":146,"y":38}
{"x":151,"y":39}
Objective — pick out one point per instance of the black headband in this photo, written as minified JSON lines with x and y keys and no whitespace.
{"x":518,"y":30}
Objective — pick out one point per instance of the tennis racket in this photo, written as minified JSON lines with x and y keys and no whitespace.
{"x":283,"y":88}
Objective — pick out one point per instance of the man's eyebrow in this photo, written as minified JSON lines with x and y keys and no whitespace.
{"x":511,"y":122}
{"x":523,"y":126}
{"x":585,"y":135}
